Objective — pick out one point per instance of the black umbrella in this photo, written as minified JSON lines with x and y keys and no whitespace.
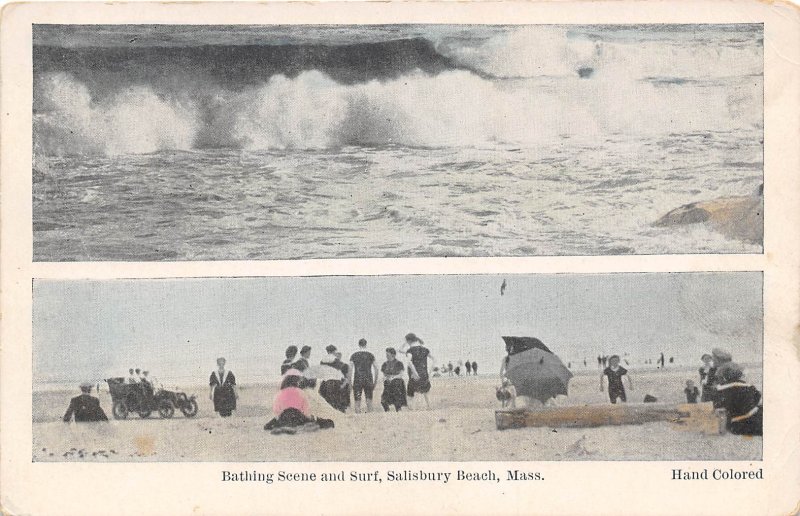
{"x":534,"y":370}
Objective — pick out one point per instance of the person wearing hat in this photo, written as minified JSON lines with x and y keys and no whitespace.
{"x":85,"y":408}
{"x":720,"y":356}
{"x":223,"y":389}
{"x":745,"y":416}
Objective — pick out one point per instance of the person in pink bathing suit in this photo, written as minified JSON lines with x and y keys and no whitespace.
{"x":291,"y":397}
{"x":291,"y":407}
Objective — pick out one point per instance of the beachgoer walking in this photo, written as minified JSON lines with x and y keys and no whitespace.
{"x":364,"y":374}
{"x":291,"y":353}
{"x":420,"y":355}
{"x":691,"y":391}
{"x":468,"y":366}
{"x":223,"y":390}
{"x":474,"y":368}
{"x":85,"y":408}
{"x":740,"y":400}
{"x":394,"y":388}
{"x":605,"y":360}
{"x":449,"y":369}
{"x":615,"y":372}
{"x":661,"y":361}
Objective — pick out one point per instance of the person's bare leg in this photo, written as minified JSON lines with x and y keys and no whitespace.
{"x":357,"y":406}
{"x":369,"y":405}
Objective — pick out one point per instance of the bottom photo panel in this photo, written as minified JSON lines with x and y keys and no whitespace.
{"x":399,"y":368}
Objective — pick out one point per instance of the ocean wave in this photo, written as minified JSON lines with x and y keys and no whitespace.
{"x":312,"y":111}
{"x":135,"y":120}
{"x":535,"y":51}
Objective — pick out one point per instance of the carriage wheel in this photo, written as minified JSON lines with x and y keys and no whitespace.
{"x":189,"y":408}
{"x":120,"y":410}
{"x":166,"y":410}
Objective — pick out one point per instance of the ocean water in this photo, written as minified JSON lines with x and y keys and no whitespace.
{"x":250,"y":143}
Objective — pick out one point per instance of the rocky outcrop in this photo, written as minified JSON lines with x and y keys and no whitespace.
{"x":740,"y":218}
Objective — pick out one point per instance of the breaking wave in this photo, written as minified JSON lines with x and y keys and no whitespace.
{"x":521,"y":88}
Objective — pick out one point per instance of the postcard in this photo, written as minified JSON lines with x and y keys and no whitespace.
{"x":400,"y":258}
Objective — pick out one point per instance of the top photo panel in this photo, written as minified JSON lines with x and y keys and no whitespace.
{"x":273,"y":142}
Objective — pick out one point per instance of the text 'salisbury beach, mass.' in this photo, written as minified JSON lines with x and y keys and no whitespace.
{"x":428,"y":258}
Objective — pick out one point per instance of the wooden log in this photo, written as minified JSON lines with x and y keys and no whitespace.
{"x":588,"y":416}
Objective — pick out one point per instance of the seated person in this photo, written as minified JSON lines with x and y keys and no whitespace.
{"x":148,"y":385}
{"x":291,"y":407}
{"x":85,"y":408}
{"x":740,"y":401}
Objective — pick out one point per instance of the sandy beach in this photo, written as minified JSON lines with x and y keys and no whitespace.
{"x":460,"y":426}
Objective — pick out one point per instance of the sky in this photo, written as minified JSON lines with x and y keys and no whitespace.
{"x":89,"y":330}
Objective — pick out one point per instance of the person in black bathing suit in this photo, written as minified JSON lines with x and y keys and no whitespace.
{"x":615,"y":372}
{"x":364,"y":373}
{"x":420,"y":355}
{"x":394,"y":388}
{"x":741,"y":401}
{"x":291,"y":353}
